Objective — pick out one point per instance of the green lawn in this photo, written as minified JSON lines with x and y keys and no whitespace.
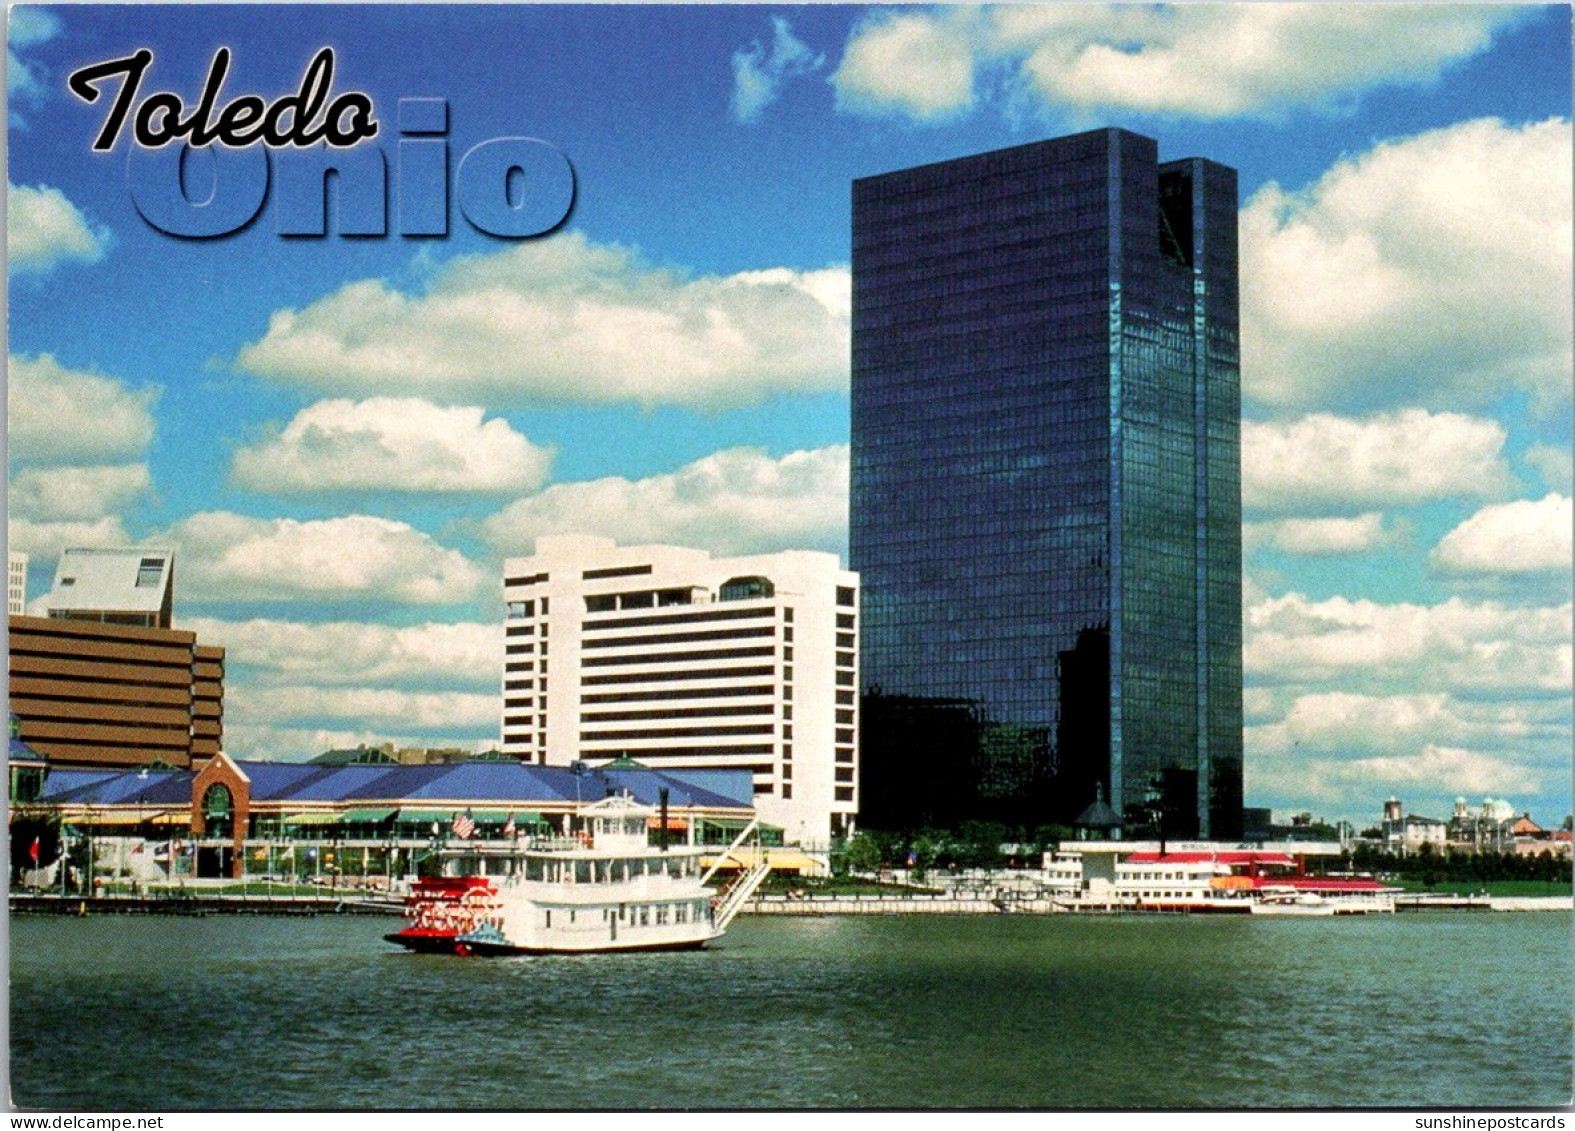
{"x":1491,"y":887}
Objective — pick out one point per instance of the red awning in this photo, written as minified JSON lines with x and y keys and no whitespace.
{"x":1320,"y":883}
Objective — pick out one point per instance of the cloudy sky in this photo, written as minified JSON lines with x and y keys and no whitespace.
{"x":344,"y":438}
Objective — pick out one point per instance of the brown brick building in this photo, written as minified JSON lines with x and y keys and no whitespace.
{"x":110,"y":695}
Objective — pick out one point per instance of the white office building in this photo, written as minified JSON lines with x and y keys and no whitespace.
{"x":16,"y":584}
{"x":682,"y":661}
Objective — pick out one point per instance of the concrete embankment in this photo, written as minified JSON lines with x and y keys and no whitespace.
{"x":199,"y":905}
{"x":1531,"y":903}
{"x":1419,"y":901}
{"x":952,"y":904}
{"x":890,"y":905}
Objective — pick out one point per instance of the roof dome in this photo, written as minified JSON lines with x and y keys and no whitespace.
{"x":1097,"y":816}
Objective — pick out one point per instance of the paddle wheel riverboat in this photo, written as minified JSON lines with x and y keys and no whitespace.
{"x":604,"y":887}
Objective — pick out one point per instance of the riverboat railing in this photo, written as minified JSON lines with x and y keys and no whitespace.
{"x":750,"y":875}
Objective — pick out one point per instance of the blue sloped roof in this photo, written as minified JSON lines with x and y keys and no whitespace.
{"x":486,"y":781}
{"x":61,"y":783}
{"x":334,"y":783}
{"x":22,"y":752}
{"x":118,"y":787}
{"x":646,"y":785}
{"x":736,"y":786}
{"x":479,"y":782}
{"x":274,"y":780}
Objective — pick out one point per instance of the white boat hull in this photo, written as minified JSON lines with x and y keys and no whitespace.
{"x":1298,"y":910}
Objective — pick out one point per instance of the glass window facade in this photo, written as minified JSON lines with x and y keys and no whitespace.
{"x":1046,"y":487}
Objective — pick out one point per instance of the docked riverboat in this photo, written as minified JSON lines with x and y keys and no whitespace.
{"x":603,"y":887}
{"x":1207,"y":882}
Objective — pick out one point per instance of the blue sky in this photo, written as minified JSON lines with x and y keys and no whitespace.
{"x":344,"y":437}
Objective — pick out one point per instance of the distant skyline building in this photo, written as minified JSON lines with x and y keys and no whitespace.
{"x":119,"y":586}
{"x":686,"y":662}
{"x":1046,"y":505}
{"x":103,"y":680}
{"x":16,"y":583}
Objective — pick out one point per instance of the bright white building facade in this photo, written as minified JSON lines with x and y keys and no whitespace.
{"x":682,"y":661}
{"x":16,"y":584}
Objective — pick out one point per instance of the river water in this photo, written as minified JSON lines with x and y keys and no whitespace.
{"x":220,"y":1013}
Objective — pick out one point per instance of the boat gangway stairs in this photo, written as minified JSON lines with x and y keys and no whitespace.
{"x":751,"y":874}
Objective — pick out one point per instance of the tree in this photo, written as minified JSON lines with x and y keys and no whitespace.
{"x":980,"y":844}
{"x":926,"y":848}
{"x":863,"y":854}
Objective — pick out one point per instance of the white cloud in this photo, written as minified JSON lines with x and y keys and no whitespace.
{"x":1522,"y":537}
{"x":1425,"y":778}
{"x":1322,"y":461}
{"x":375,"y":708}
{"x":60,"y":415}
{"x":1380,"y":724}
{"x":298,"y":743}
{"x":46,"y":540}
{"x":1456,"y":646}
{"x":565,"y":321}
{"x":759,"y":71}
{"x":295,"y":689}
{"x":392,"y":444}
{"x":29,"y":25}
{"x":43,"y":230}
{"x":1347,"y":749}
{"x":1454,"y":769}
{"x":1206,"y":61}
{"x":1318,"y":536}
{"x":230,"y":557}
{"x":25,"y":27}
{"x":1430,"y":270}
{"x":423,"y":657}
{"x":1553,"y":465}
{"x":735,"y":501}
{"x":77,"y":493}
{"x":915,"y":64}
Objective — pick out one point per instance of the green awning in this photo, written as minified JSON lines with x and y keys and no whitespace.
{"x":724,"y":823}
{"x":443,"y":816}
{"x":312,"y":819}
{"x":368,"y":816}
{"x":501,"y":816}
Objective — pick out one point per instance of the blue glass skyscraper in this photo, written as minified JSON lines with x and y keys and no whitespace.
{"x":1046,"y":500}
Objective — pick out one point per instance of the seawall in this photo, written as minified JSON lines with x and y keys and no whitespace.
{"x":890,"y":905}
{"x":199,"y":905}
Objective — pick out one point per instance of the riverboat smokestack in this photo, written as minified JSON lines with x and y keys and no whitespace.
{"x":662,"y":838}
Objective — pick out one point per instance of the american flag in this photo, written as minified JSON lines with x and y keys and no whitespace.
{"x":464,"y":826}
{"x":508,"y":827}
